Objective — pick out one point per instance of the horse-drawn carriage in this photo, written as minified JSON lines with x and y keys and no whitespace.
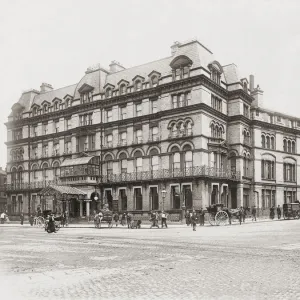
{"x":106,"y":217}
{"x":220,"y":215}
{"x":291,"y":210}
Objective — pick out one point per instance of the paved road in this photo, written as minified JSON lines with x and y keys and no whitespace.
{"x":251,"y":261}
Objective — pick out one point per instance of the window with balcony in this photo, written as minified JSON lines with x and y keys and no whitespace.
{"x":154,"y":109}
{"x":123,"y":138}
{"x":123,"y":112}
{"x":139,"y":136}
{"x":188,"y":157}
{"x":56,"y":170}
{"x":216,"y":103}
{"x":109,"y":165}
{"x":109,"y":115}
{"x":138,"y":161}
{"x":138,"y":109}
{"x":268,"y":169}
{"x":123,"y":163}
{"x":45,"y":170}
{"x":35,"y":171}
{"x":246,"y":161}
{"x":109,"y":140}
{"x":138,"y":198}
{"x":175,"y":158}
{"x":154,"y":159}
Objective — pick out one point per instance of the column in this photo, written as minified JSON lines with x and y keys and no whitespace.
{"x":87,"y":208}
{"x":239,"y":195}
{"x":81,"y":208}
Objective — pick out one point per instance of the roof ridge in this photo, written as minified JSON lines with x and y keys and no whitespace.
{"x":140,"y":65}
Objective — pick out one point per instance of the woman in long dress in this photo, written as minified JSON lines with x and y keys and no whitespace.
{"x":51,"y":224}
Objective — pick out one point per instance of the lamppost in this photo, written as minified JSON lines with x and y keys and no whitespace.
{"x":163,"y":194}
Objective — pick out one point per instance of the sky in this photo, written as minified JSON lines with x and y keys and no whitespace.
{"x":56,"y":41}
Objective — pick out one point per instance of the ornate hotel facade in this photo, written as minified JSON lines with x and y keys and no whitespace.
{"x":178,"y":133}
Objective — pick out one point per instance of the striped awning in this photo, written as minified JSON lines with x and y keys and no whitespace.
{"x":61,"y":190}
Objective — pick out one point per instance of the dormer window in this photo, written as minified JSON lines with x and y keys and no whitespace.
{"x":86,"y":97}
{"x":215,"y":76}
{"x":123,"y":89}
{"x":67,"y":103}
{"x":56,"y":105}
{"x":34,"y":111}
{"x":138,"y":85}
{"x":154,"y":81}
{"x":181,"y":67}
{"x":108,"y":93}
{"x":245,"y":87}
{"x":45,"y":108}
{"x":215,"y":70}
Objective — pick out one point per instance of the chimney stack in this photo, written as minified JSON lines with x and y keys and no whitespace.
{"x":115,"y":66}
{"x":46,"y":87}
{"x":257,"y":94}
{"x":174,"y":47}
{"x":251,"y":80}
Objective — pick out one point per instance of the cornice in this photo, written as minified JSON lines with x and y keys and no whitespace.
{"x":240,"y":118}
{"x":275,"y":127}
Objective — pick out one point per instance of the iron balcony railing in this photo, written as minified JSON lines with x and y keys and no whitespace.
{"x":202,"y":171}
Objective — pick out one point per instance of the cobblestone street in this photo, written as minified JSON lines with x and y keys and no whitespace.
{"x":252,"y":261}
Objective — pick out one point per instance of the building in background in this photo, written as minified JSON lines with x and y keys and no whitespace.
{"x":3,"y":197}
{"x":182,"y":132}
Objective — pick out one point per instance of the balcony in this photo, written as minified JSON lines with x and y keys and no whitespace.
{"x":122,"y":143}
{"x":174,"y":135}
{"x":137,"y":141}
{"x":202,"y":171}
{"x":213,"y":140}
{"x":20,"y":186}
{"x":108,"y":145}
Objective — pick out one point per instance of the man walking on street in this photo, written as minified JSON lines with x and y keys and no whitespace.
{"x":193,"y":219}
{"x":278,"y":212}
{"x":253,"y":213}
{"x":241,"y":213}
{"x":22,"y":218}
{"x":163,"y":219}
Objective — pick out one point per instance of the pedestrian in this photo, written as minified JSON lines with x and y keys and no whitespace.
{"x":241,"y":213}
{"x":22,"y":218}
{"x":163,"y":219}
{"x":253,"y":213}
{"x":187,"y":218}
{"x":31,"y":219}
{"x":272,"y":213}
{"x":2,"y":218}
{"x":194,"y":219}
{"x":123,"y":220}
{"x":244,"y":214}
{"x":51,"y":224}
{"x":129,"y":220}
{"x":201,"y":217}
{"x":116,"y":218}
{"x":278,"y":212}
{"x":154,"y":220}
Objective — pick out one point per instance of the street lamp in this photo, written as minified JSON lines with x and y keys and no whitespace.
{"x":163,"y":194}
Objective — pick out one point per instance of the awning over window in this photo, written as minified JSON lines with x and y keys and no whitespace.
{"x":85,"y":160}
{"x":52,"y":190}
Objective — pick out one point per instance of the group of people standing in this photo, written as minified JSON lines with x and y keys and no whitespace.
{"x":192,"y":217}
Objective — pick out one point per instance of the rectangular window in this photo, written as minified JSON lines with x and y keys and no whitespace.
{"x":154,"y":163}
{"x":109,"y":139}
{"x":56,"y":126}
{"x":123,"y":138}
{"x":123,"y":112}
{"x":17,"y":134}
{"x":175,"y":195}
{"x":154,"y":106}
{"x":138,"y":109}
{"x":68,"y":124}
{"x":188,"y":97}
{"x":92,"y":142}
{"x":268,"y":169}
{"x":246,"y":111}
{"x":109,"y":115}
{"x":154,"y":198}
{"x":154,"y":131}
{"x":35,"y":130}
{"x":139,"y":164}
{"x":178,"y":74}
{"x":138,"y":198}
{"x":45,"y":151}
{"x":56,"y":149}
{"x":139,"y":136}
{"x":298,"y":123}
{"x":278,"y":119}
{"x":68,"y":147}
{"x":257,"y":113}
{"x":174,"y":101}
{"x":124,"y":166}
{"x":34,"y":152}
{"x":45,"y":128}
{"x":216,"y":103}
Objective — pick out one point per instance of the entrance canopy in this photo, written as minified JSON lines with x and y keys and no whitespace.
{"x":60,"y":190}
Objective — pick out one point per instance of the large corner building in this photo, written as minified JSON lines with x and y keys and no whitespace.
{"x":180,"y":132}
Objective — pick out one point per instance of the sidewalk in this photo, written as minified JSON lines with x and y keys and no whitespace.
{"x":144,"y":225}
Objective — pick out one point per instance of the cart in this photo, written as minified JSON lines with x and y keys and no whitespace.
{"x":220,"y":215}
{"x":291,"y":210}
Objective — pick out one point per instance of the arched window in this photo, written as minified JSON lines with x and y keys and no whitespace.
{"x":220,"y":133}
{"x":123,"y":162}
{"x":20,"y":175}
{"x":284,"y":145}
{"x":263,"y":141}
{"x":272,"y":142}
{"x":35,"y":171}
{"x":138,"y":157}
{"x":289,"y":146}
{"x":246,"y":165}
{"x":233,"y":163}
{"x":108,"y":93}
{"x":154,"y":81}
{"x":14,"y":175}
{"x":109,"y":165}
{"x":293,"y":147}
{"x":175,"y":158}
{"x":212,"y":127}
{"x":56,"y":169}
{"x":181,"y":129}
{"x":174,"y":130}
{"x":267,"y":142}
{"x":154,"y":159}
{"x":45,"y":170}
{"x":189,"y":128}
{"x":123,"y":89}
{"x":138,"y":85}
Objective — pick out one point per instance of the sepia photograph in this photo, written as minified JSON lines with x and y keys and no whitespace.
{"x":149,"y":149}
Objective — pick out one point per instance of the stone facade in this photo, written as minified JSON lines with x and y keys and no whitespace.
{"x":178,"y":133}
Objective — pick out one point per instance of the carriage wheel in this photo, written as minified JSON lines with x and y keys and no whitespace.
{"x":211,"y":220}
{"x":222,"y":218}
